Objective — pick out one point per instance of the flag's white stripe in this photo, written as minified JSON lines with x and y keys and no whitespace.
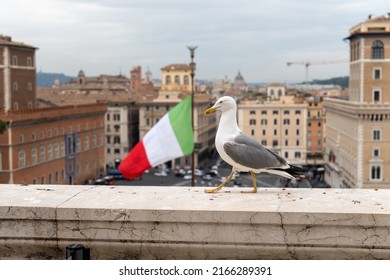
{"x":161,"y":143}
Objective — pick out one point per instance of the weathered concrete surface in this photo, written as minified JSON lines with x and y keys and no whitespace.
{"x":38,"y":222}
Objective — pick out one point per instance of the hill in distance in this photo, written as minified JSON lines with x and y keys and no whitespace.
{"x":47,"y":79}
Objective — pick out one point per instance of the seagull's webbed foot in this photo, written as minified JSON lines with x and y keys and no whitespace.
{"x":254,"y":190}
{"x":221,"y":185}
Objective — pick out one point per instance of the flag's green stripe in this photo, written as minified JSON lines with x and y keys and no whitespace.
{"x":180,"y":119}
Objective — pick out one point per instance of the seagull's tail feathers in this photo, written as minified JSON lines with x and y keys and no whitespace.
{"x":290,"y":172}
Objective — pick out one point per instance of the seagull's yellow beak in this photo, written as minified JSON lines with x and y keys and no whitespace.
{"x":210,"y":111}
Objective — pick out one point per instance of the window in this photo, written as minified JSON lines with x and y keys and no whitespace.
{"x":62,"y":148}
{"x":264,"y":132}
{"x":286,"y":154}
{"x":94,"y":141}
{"x":15,"y":86}
{"x":78,"y":145}
{"x":14,"y":60}
{"x":297,"y":112}
{"x":297,"y":121}
{"x":86,"y":142}
{"x":56,"y":150}
{"x":186,"y":80}
{"x":50,"y":152}
{"x":252,"y":112}
{"x":275,"y":112}
{"x":21,"y":138}
{"x":117,"y":117}
{"x":252,"y":132}
{"x":168,"y":80}
{"x":376,"y":95}
{"x":376,"y":134}
{"x":252,"y":122}
{"x":275,"y":121}
{"x":264,"y":122}
{"x":42,"y":153}
{"x":117,"y":139}
{"x":377,"y":50}
{"x":29,"y":87}
{"x":286,"y":132}
{"x":29,"y":61}
{"x":297,"y":154}
{"x":177,"y":80}
{"x":274,"y":143}
{"x":286,"y":121}
{"x":264,"y":142}
{"x":376,"y":172}
{"x":377,"y":75}
{"x":286,"y":112}
{"x":22,"y":159}
{"x":34,"y":156}
{"x":264,"y":112}
{"x":375,"y":152}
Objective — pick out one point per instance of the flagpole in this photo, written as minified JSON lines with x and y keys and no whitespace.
{"x":192,"y":68}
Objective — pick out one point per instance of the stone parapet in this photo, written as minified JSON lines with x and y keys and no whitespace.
{"x":123,"y":222}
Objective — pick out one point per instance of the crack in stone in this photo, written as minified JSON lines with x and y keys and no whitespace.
{"x":292,"y":254}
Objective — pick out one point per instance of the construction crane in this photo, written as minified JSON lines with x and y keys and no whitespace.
{"x":307,"y":64}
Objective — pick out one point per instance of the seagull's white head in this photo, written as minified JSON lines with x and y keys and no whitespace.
{"x":223,"y":104}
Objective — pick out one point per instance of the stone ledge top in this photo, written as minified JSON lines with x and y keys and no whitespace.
{"x":60,"y":201}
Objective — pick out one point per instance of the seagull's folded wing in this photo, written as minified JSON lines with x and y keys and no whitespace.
{"x":249,"y":153}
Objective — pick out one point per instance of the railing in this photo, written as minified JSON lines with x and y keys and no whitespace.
{"x":124,"y":222}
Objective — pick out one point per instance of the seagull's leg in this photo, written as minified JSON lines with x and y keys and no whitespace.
{"x":253,"y":175}
{"x":223,"y":183}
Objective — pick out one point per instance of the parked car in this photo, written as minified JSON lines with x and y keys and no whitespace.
{"x":116,"y":173}
{"x":187,"y":177}
{"x":180,"y":172}
{"x":207,"y":177}
{"x":107,"y":180}
{"x":161,"y":173}
{"x":197,"y":172}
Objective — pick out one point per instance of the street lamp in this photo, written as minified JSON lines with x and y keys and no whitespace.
{"x":192,"y":68}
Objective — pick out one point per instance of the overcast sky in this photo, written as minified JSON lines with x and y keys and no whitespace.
{"x":256,"y":37}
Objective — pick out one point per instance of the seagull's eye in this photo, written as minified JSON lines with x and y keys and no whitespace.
{"x":220,"y":102}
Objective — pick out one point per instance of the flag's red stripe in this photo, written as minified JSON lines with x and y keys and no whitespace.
{"x":135,"y":163}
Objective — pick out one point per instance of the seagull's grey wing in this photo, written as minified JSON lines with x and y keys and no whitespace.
{"x":248,"y":152}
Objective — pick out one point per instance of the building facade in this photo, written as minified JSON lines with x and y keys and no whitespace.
{"x":315,"y":131}
{"x":51,"y":146}
{"x":357,"y":150}
{"x":280,"y":125}
{"x":176,"y":85}
{"x":17,"y":75}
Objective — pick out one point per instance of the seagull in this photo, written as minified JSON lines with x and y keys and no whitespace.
{"x":243,"y":153}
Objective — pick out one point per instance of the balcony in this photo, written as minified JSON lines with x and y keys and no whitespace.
{"x":118,"y":222}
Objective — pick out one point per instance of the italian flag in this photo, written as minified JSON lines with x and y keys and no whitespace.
{"x":170,"y":138}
